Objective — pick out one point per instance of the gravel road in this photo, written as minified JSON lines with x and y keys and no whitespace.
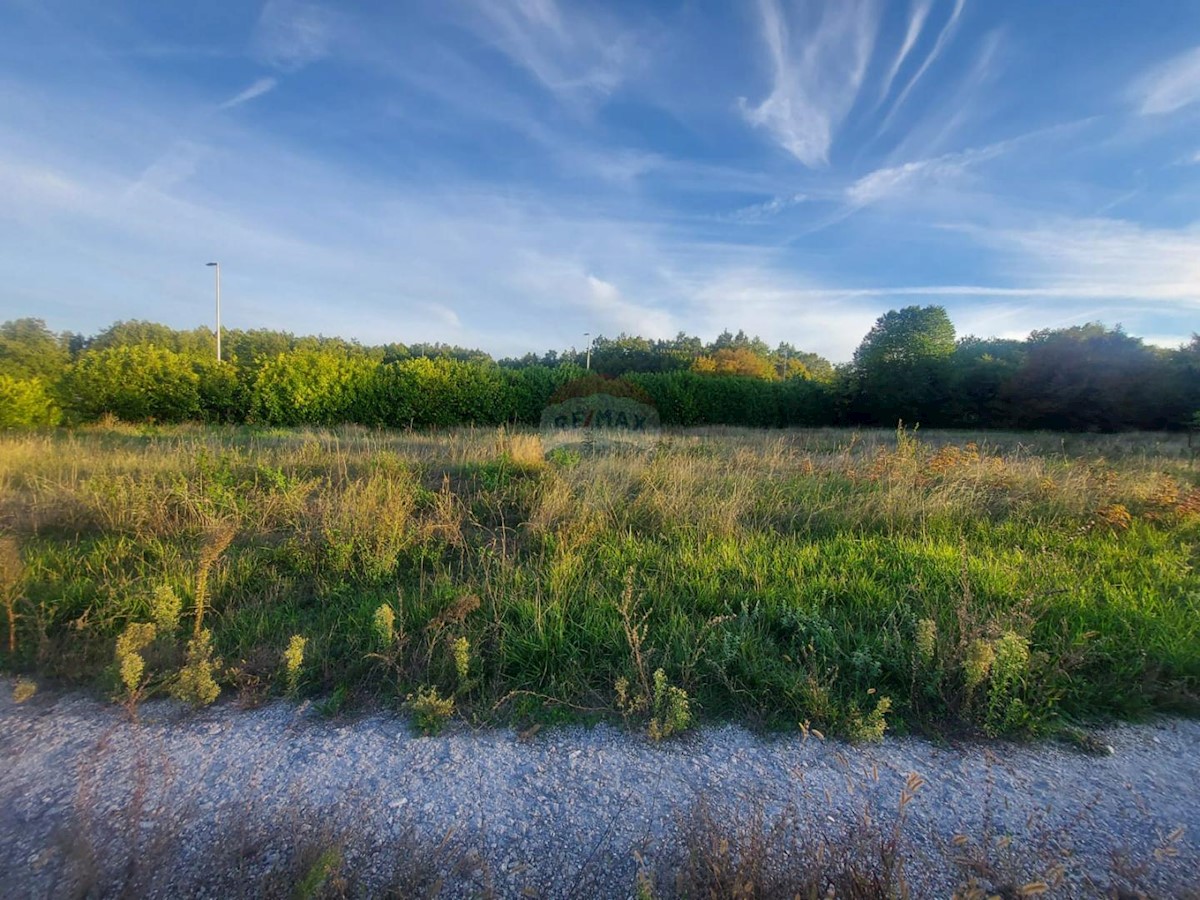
{"x":180,"y":801}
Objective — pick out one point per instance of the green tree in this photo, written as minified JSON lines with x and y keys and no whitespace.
{"x":197,"y":342}
{"x":901,"y":368}
{"x":736,"y":361}
{"x":980,"y":371}
{"x":25,"y":403}
{"x":1088,"y":377}
{"x":28,"y":349}
{"x":134,"y":383}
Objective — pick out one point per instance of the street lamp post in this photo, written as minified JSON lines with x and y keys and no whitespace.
{"x":217,"y":267}
{"x":588,"y":335}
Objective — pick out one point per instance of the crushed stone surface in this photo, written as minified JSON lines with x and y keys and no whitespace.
{"x":566,"y":812}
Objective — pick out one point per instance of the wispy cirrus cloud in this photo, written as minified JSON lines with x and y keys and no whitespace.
{"x":944,"y":37}
{"x":1170,"y":86}
{"x":916,"y":22}
{"x":292,"y":34}
{"x":818,"y":65}
{"x":894,"y":182}
{"x":574,"y":54}
{"x":757,"y":212}
{"x":257,"y":89}
{"x":1107,"y":258}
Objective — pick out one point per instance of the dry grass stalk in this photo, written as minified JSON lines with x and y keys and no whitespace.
{"x":12,"y":573}
{"x":215,"y":543}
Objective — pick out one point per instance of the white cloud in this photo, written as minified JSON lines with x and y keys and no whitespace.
{"x":446,"y":316}
{"x":781,"y":307}
{"x":257,"y":89}
{"x":175,"y":166}
{"x":1170,"y":86}
{"x":580,"y":55}
{"x":757,"y":212}
{"x":292,"y":34}
{"x":614,"y":313}
{"x":920,"y":12}
{"x":1106,"y":259}
{"x":818,"y":68}
{"x":895,"y":181}
{"x":943,"y":38}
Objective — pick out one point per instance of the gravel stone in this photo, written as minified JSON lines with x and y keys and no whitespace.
{"x":564,"y":813}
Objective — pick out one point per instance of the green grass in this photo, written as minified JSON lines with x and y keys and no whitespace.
{"x":775,"y":577}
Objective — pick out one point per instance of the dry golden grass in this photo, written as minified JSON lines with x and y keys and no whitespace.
{"x":815,"y":553}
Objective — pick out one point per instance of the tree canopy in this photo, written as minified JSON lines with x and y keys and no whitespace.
{"x":909,"y":367}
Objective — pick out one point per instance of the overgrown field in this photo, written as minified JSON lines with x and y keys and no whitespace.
{"x":847,"y":580}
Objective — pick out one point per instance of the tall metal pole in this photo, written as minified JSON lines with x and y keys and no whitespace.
{"x":588,"y":335}
{"x":217,"y":267}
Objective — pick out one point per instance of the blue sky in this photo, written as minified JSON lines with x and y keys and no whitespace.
{"x":510,"y":174}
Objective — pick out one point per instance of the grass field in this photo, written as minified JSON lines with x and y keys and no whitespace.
{"x":848,"y":580}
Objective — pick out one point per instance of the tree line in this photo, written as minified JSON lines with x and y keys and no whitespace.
{"x":910,"y":367}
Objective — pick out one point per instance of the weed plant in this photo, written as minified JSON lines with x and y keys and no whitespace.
{"x":1010,"y":583}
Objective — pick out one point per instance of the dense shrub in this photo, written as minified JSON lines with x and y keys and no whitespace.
{"x":424,"y":391}
{"x":25,"y":403}
{"x":688,"y":398}
{"x":910,"y":367}
{"x":310,"y":387}
{"x":134,"y":383}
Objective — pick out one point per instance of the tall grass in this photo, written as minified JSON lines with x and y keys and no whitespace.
{"x":999,"y":581}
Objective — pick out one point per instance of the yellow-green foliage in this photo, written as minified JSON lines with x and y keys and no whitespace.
{"x":926,"y":640}
{"x":462,"y":657}
{"x":136,"y":637}
{"x":868,"y":728}
{"x":384,"y":625}
{"x":165,"y":609}
{"x":23,"y":690}
{"x":430,"y":709}
{"x":25,"y":403}
{"x":293,"y":661}
{"x":196,"y":683}
{"x":978,"y":664}
{"x":1011,"y":659}
{"x":672,"y":712}
{"x":628,"y":702}
{"x":1007,"y":711}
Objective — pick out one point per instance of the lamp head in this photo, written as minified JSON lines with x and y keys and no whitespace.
{"x":212,"y":264}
